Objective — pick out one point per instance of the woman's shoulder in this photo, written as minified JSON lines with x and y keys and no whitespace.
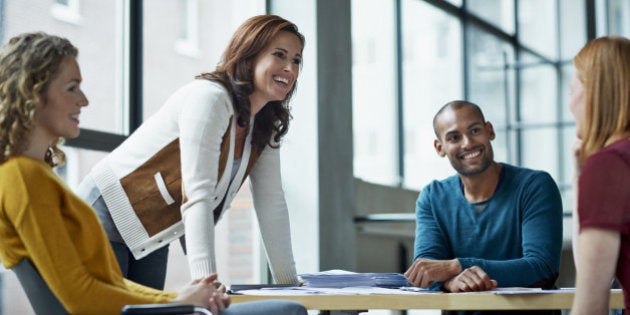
{"x":202,"y":92}
{"x":612,"y":158}
{"x":22,"y":172}
{"x":22,"y":165}
{"x":619,"y":148}
{"x":206,"y":87}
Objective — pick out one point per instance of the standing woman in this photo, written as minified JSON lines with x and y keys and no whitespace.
{"x":600,"y":102}
{"x":181,"y":169}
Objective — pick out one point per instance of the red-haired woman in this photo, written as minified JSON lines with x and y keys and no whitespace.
{"x":600,"y":102}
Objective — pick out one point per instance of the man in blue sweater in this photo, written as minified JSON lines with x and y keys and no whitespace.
{"x":492,"y":224}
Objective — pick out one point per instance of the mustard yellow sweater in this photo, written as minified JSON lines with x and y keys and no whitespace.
{"x":41,"y":219}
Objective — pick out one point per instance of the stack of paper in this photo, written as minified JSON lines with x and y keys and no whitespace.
{"x":344,"y":279}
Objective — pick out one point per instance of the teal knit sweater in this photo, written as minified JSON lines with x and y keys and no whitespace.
{"x":516,"y":239}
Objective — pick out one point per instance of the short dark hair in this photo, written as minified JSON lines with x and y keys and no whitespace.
{"x":455,"y":105}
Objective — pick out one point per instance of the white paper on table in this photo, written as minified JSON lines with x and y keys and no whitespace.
{"x":515,"y":290}
{"x":334,"y":291}
{"x":281,"y":291}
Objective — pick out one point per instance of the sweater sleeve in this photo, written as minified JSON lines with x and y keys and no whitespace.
{"x":541,"y":239}
{"x":273,"y":215}
{"x":149,"y":293}
{"x":203,"y":120}
{"x":430,"y":241}
{"x":48,"y":241}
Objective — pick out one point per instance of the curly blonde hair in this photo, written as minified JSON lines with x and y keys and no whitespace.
{"x":28,"y":63}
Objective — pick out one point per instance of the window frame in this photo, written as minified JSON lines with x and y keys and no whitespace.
{"x":108,"y":141}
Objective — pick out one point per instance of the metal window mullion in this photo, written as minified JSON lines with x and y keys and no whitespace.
{"x":559,"y":76}
{"x":135,"y":64}
{"x":516,"y":45}
{"x":399,"y":93}
{"x":463,"y":22}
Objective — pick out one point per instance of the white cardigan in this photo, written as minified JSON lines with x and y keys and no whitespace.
{"x":198,"y":116}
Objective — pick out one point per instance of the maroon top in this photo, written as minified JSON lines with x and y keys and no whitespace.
{"x":604,"y":201}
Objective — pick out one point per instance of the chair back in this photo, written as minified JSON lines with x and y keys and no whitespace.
{"x":42,"y":300}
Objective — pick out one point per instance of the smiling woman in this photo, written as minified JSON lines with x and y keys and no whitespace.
{"x":41,"y":221}
{"x":57,"y":115}
{"x":23,"y":96}
{"x":277,"y":68}
{"x":178,"y":173}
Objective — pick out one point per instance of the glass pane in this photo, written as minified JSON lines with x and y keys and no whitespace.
{"x":539,"y":89}
{"x":374,"y":91}
{"x":504,"y":145}
{"x":497,"y":12}
{"x":537,"y":26}
{"x":539,"y":150}
{"x":208,"y":30}
{"x":572,"y":27}
{"x":619,"y":17}
{"x":100,"y":60}
{"x":565,"y":92}
{"x":490,"y":76}
{"x":568,"y":164}
{"x":432,"y":76}
{"x":568,"y":197}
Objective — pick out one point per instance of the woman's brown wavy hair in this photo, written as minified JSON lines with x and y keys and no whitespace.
{"x":235,"y":72}
{"x":28,"y":63}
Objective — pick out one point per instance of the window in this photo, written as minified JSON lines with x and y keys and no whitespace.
{"x":538,"y":111}
{"x":490,"y":79}
{"x":66,"y":10}
{"x":513,"y":58}
{"x":499,"y":13}
{"x":537,"y":26}
{"x":375,"y":95}
{"x":188,"y":41}
{"x":618,"y":17}
{"x":432,"y":76}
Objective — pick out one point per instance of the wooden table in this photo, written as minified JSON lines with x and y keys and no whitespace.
{"x":442,"y":301}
